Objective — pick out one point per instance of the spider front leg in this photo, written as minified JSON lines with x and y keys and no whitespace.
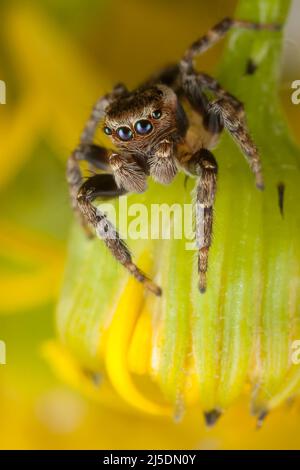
{"x":204,"y":165}
{"x":98,"y":158}
{"x":105,"y":186}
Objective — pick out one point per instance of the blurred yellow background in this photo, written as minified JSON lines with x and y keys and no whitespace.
{"x":56,"y":58}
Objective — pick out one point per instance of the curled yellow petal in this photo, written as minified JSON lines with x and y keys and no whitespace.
{"x":117,"y":349}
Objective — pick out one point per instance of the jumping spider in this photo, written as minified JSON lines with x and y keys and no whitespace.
{"x":166,"y":125}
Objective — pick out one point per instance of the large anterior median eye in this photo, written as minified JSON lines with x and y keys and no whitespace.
{"x":143,"y":126}
{"x":125,"y":133}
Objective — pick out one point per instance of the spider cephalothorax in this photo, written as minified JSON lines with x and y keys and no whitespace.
{"x":145,"y":124}
{"x":165,"y":126}
{"x":137,"y":120}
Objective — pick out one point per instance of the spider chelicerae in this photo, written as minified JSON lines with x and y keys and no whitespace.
{"x":166,"y":125}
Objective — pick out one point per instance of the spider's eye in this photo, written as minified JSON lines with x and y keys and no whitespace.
{"x":125,"y":133}
{"x":156,"y":114}
{"x":107,"y":130}
{"x":143,"y":127}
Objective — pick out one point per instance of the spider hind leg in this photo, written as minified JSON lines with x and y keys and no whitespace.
{"x":234,"y":121}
